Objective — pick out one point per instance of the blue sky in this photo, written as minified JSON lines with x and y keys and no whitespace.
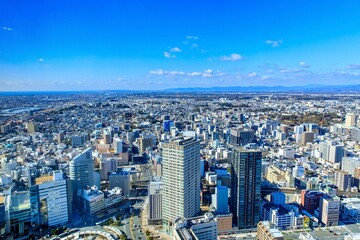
{"x":159,"y":44}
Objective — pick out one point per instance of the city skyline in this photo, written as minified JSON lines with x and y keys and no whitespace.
{"x":53,"y":46}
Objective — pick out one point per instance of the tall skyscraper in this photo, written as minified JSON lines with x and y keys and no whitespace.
{"x":181,"y":177}
{"x":245,"y":187}
{"x":81,"y":172}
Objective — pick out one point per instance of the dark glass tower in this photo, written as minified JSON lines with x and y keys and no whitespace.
{"x":245,"y":187}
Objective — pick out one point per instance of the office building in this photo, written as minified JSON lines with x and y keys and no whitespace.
{"x":81,"y":173}
{"x":93,"y":200}
{"x":107,"y":136}
{"x":278,"y":198}
{"x":17,"y":212}
{"x":245,"y":187}
{"x":78,"y":140}
{"x":220,"y":200}
{"x":336,"y":153}
{"x":241,"y":137}
{"x":307,"y":137}
{"x":343,"y":180}
{"x":331,"y":151}
{"x":350,"y":209}
{"x":350,"y":120}
{"x":147,"y":141}
{"x":107,"y":166}
{"x":349,"y":164}
{"x":120,"y":180}
{"x":50,"y":200}
{"x":181,"y":178}
{"x":329,"y":210}
{"x":310,"y":200}
{"x":224,"y":222}
{"x":279,"y":216}
{"x":117,"y":145}
{"x":155,"y":202}
{"x":355,"y":134}
{"x":203,"y":227}
{"x":356,"y":178}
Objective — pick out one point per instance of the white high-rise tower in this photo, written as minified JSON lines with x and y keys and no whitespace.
{"x":181,"y":177}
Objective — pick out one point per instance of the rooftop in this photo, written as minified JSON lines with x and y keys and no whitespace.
{"x":44,"y":179}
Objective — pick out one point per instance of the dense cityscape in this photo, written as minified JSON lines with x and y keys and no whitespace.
{"x":116,"y":165}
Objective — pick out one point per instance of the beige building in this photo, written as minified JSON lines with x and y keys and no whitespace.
{"x":276,"y":175}
{"x":224,"y":222}
{"x":265,"y":232}
{"x":307,"y":137}
{"x":329,"y":210}
{"x":32,"y":127}
{"x":350,"y":120}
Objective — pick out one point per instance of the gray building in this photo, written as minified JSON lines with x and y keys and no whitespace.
{"x":78,"y":140}
{"x":241,"y":137}
{"x":121,"y":180}
{"x":155,"y":202}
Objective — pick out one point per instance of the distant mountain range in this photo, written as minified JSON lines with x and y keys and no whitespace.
{"x":249,"y":89}
{"x":232,"y":89}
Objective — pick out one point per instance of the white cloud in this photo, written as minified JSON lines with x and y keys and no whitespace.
{"x":233,"y":57}
{"x":251,"y":75}
{"x":169,"y":55}
{"x":274,"y":43}
{"x":192,"y":37}
{"x":176,"y":73}
{"x":208,"y":73}
{"x":265,"y":77}
{"x":175,"y":49}
{"x":40,"y":59}
{"x":194,"y":74}
{"x":289,"y":70}
{"x":7,"y":29}
{"x":350,"y":74}
{"x":160,"y":72}
{"x":304,"y":64}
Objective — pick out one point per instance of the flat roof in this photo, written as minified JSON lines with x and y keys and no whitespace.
{"x":44,"y":179}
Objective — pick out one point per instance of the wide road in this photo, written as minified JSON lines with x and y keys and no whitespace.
{"x":136,"y":225}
